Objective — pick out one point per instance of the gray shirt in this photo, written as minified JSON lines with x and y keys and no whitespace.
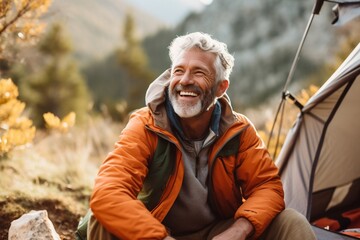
{"x":191,"y":211}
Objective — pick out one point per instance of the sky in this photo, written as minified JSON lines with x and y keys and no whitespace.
{"x":170,"y":11}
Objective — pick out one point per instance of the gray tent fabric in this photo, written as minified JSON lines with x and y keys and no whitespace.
{"x":321,"y":153}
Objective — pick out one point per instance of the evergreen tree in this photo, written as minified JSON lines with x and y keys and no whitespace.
{"x":133,"y":59}
{"x":59,"y":88}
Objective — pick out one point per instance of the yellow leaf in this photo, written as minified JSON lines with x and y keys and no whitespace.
{"x":14,"y":129}
{"x":51,"y":120}
{"x":8,"y":90}
{"x":69,"y":119}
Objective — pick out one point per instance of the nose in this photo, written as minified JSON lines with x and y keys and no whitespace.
{"x":186,"y":79}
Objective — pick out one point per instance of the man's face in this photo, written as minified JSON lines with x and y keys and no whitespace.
{"x":192,"y":87}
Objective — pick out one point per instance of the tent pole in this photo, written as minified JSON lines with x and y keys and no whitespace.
{"x":316,"y":10}
{"x":293,"y":66}
{"x":317,"y":6}
{"x":290,"y":76}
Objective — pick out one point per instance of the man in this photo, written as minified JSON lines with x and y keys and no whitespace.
{"x":187,"y":166}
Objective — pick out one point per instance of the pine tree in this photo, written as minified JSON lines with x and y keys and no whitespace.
{"x":132,"y":57}
{"x":59,"y":88}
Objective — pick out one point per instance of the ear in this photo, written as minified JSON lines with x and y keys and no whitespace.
{"x":222,"y":87}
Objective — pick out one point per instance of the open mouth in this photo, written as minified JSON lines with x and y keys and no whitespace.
{"x":188,"y":94}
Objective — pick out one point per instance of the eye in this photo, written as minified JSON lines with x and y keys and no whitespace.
{"x":199,"y":73}
{"x":177,"y":71}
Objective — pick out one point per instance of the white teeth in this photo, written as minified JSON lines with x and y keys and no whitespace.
{"x":183,"y":93}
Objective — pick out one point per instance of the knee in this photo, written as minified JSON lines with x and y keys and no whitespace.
{"x":293,"y":218}
{"x":292,"y":214}
{"x":290,"y":224}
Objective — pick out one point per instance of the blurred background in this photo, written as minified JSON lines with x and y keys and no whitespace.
{"x":115,"y":48}
{"x":88,"y":64}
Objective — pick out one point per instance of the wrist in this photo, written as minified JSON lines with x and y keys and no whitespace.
{"x":245,"y":225}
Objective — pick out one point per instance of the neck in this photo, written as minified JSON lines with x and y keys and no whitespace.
{"x":197,"y":127}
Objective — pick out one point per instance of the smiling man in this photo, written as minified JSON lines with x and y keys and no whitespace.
{"x":187,"y":166}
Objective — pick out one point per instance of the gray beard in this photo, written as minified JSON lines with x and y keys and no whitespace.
{"x":192,"y":110}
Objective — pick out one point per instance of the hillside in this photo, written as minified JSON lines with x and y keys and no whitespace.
{"x":263,"y":37}
{"x":55,"y":173}
{"x":95,"y":26}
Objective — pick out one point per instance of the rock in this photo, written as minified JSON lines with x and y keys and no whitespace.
{"x":33,"y":225}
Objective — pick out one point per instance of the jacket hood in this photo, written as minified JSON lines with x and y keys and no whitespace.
{"x":155,"y":94}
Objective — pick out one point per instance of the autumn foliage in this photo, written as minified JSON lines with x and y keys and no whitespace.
{"x":15,"y":130}
{"x":19,"y":20}
{"x":61,"y":125}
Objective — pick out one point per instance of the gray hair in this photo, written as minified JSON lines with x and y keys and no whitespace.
{"x":224,"y":60}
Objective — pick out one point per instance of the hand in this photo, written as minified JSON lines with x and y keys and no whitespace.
{"x":239,"y":230}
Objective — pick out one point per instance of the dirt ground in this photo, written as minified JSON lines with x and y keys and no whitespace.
{"x":65,"y":222}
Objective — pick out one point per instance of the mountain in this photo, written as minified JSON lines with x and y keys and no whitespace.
{"x":95,"y":27}
{"x":263,"y":36}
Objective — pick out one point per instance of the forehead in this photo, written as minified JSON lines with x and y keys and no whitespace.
{"x":195,"y":57}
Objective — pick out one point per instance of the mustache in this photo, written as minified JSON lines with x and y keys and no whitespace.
{"x":188,"y":88}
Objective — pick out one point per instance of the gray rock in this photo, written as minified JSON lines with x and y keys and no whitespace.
{"x":33,"y":225}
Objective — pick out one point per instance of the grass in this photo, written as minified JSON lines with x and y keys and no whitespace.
{"x":55,"y":173}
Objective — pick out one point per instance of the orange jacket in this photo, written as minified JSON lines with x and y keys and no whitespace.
{"x":243,"y":184}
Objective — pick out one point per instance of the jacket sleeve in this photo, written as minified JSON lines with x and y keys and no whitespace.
{"x":259,"y":181}
{"x":119,"y":180}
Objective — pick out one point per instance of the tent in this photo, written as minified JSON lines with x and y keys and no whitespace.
{"x":322,"y":150}
{"x":319,"y":162}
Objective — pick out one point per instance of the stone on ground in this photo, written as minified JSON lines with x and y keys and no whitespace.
{"x":33,"y":225}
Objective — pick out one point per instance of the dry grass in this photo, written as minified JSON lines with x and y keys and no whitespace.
{"x":59,"y":167}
